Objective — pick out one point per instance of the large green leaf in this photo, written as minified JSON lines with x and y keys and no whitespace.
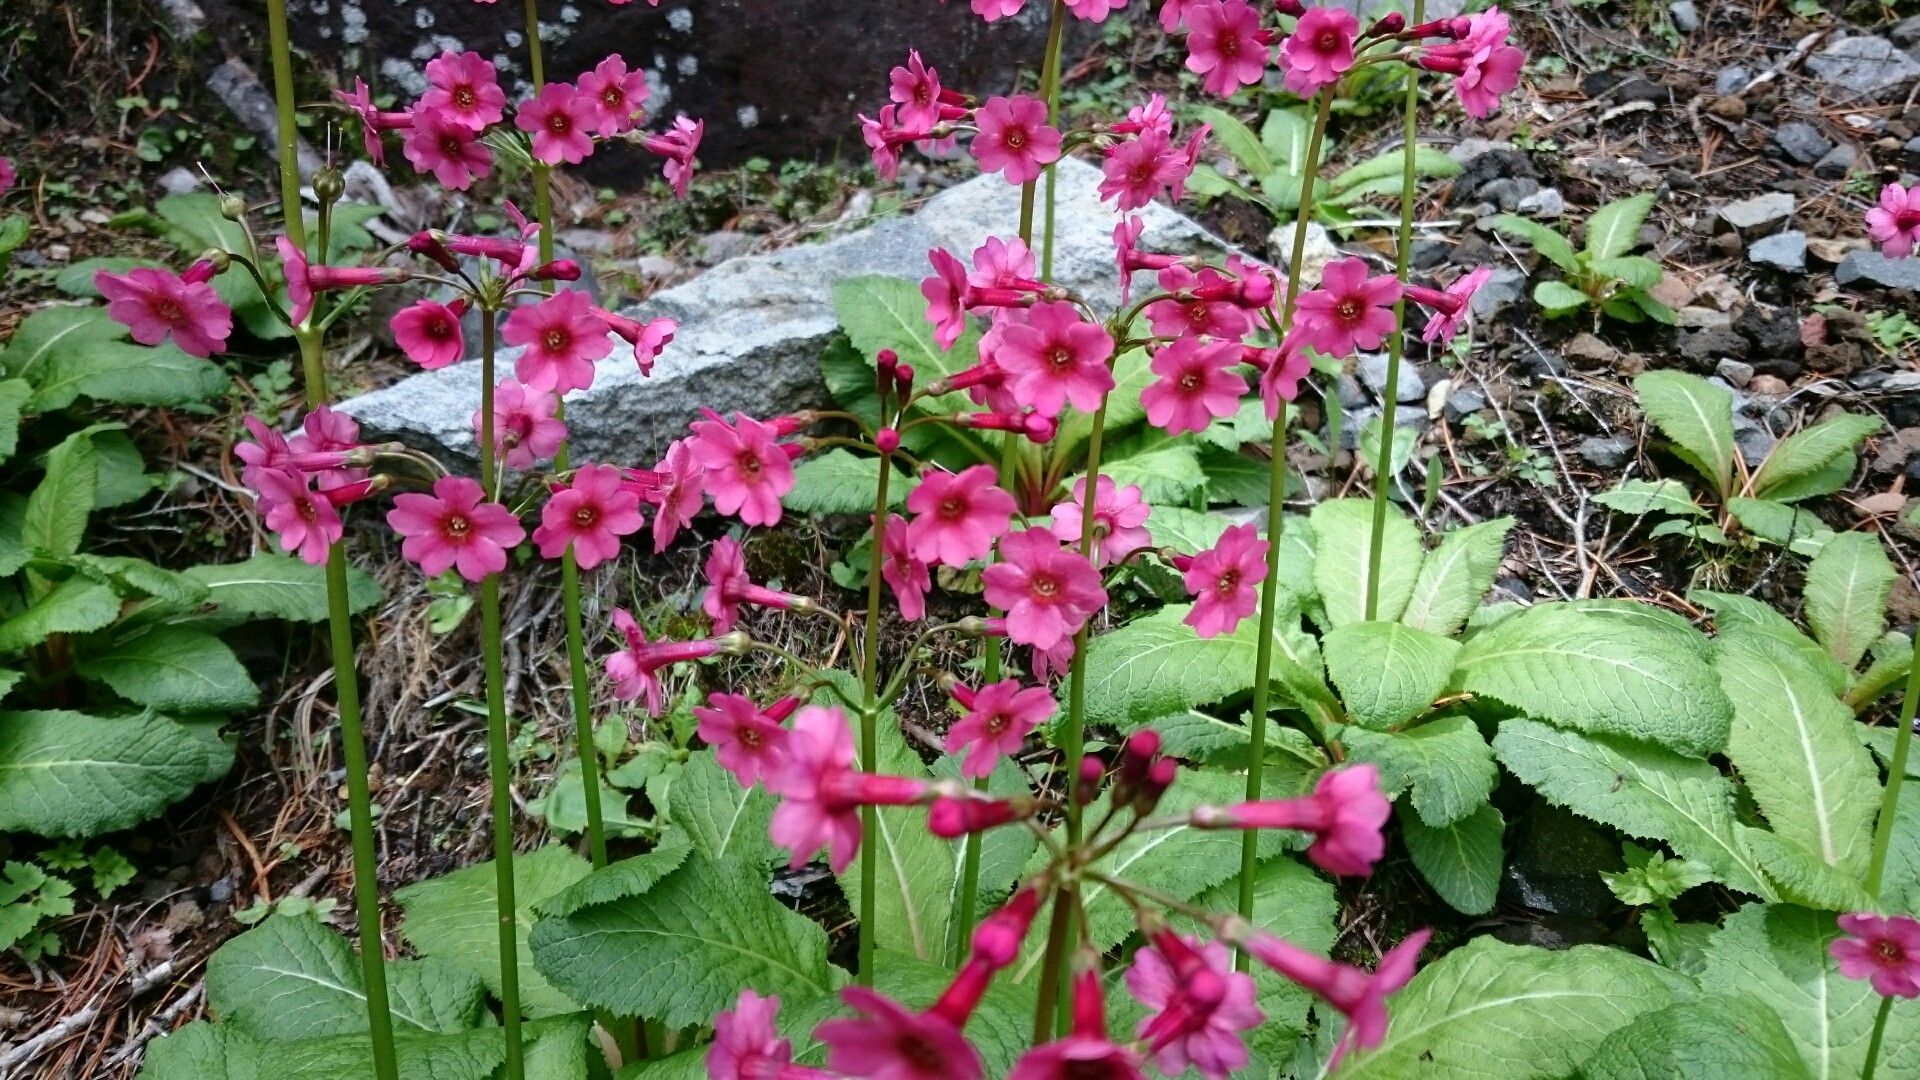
{"x":205,"y":1051}
{"x":121,"y":476}
{"x":133,"y":577}
{"x":1598,"y":673}
{"x":1846,"y":595}
{"x":1165,"y":469}
{"x":1156,"y":666}
{"x":622,"y":878}
{"x":1710,"y":1038}
{"x":1342,"y":533}
{"x":1446,"y":762}
{"x":683,"y":950}
{"x":1186,"y":531}
{"x":879,"y":312}
{"x":1779,"y":954}
{"x":722,"y":818}
{"x":1697,"y":417}
{"x":70,"y":774}
{"x":1239,"y":141}
{"x":58,"y":508}
{"x":1003,"y":852}
{"x":1649,"y":496}
{"x":1642,"y":790}
{"x":1798,"y":875}
{"x":455,"y":919}
{"x":13,"y":395}
{"x":13,"y":548}
{"x":841,"y":482}
{"x":1462,"y":860}
{"x":1455,"y":577}
{"x":914,"y":868}
{"x":1732,"y":611}
{"x":1612,"y":229}
{"x":1793,"y":743}
{"x":74,"y":606}
{"x":125,"y":373}
{"x":1387,"y":673}
{"x":1490,"y":1009}
{"x":280,"y":586}
{"x":1776,"y":522}
{"x":51,"y":331}
{"x":175,"y":670}
{"x":1806,"y":452}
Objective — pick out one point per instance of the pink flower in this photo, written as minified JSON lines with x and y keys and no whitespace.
{"x":1349,"y":310}
{"x":747,"y":471}
{"x":1057,"y":358}
{"x":728,"y":586}
{"x":635,"y":669}
{"x":429,"y":332}
{"x":1003,"y":264}
{"x":1153,"y":116}
{"x":1345,"y":814}
{"x":1320,"y":49}
{"x":820,"y":792}
{"x":999,"y":717}
{"x":1489,"y":66}
{"x":1883,"y":949}
{"x":995,"y":10}
{"x":885,"y":136}
{"x":1895,"y":223}
{"x":957,"y":515}
{"x":1281,"y":370}
{"x":678,"y":145}
{"x":562,"y":338}
{"x":1086,"y":1053}
{"x":746,"y":742}
{"x":1173,"y":13}
{"x":455,"y":527}
{"x":526,"y":428}
{"x":613,"y":94}
{"x":891,"y":1042}
{"x":904,"y":572}
{"x":1450,"y":308}
{"x":1047,"y":591}
{"x":158,"y":304}
{"x":1202,"y":305}
{"x":440,"y":144}
{"x":1140,"y":168}
{"x":1199,"y":1005}
{"x":1221,"y":580}
{"x":1225,"y":45}
{"x":1361,"y":996}
{"x":746,"y":1046}
{"x":1119,"y":520}
{"x":1094,"y":10}
{"x":1196,"y":385}
{"x":1014,"y":138}
{"x":7,"y":175}
{"x":682,"y":493}
{"x":328,"y":434}
{"x":560,"y":122}
{"x":916,"y":89}
{"x":303,"y":522}
{"x":946,"y":293}
{"x":462,"y":87}
{"x":590,"y":515}
{"x":648,"y":338}
{"x":372,"y":121}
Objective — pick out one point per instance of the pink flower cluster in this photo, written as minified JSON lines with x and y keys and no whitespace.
{"x":1895,"y":223}
{"x":300,"y":482}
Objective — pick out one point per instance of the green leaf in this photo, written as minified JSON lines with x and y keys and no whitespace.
{"x":1612,"y":230}
{"x":1656,"y":625}
{"x":879,"y":312}
{"x":1697,"y":417}
{"x":74,"y":606}
{"x":721,"y":818}
{"x":1800,"y":877}
{"x":293,"y":978}
{"x":1806,"y":452}
{"x":281,"y":587}
{"x":1186,"y":531}
{"x":1516,"y":1012}
{"x":1003,"y":852}
{"x":125,"y":373}
{"x":1644,"y":791}
{"x":1239,"y":141}
{"x":13,"y":397}
{"x":622,"y":878}
{"x":840,"y":482}
{"x":13,"y":520}
{"x":1733,"y":612}
{"x":1781,"y":524}
{"x":55,"y":330}
{"x":1710,"y":1038}
{"x":1446,"y":762}
{"x":1900,"y":882}
{"x":70,"y":774}
{"x":174,"y":670}
{"x":121,"y":476}
{"x":1462,"y":861}
{"x":1427,"y":162}
{"x":1387,"y":673}
{"x":1342,"y":535}
{"x":1793,"y":743}
{"x":1651,"y":308}
{"x":1166,"y":470}
{"x":1779,"y":954}
{"x":1827,"y":479}
{"x":57,"y":510}
{"x":1598,"y":674}
{"x":1652,"y":878}
{"x":1552,"y":246}
{"x":204,"y":1051}
{"x":133,"y":577}
{"x":1846,"y":595}
{"x":914,"y":868}
{"x":1455,"y":577}
{"x":1649,"y":496}
{"x":1637,"y":271}
{"x":1156,"y":665}
{"x":683,"y":950}
{"x":455,"y":919}
{"x":1285,"y":134}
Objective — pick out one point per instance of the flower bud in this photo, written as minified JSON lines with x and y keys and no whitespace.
{"x":903,"y":379}
{"x":1041,"y":429}
{"x":1092,"y":770}
{"x":1290,"y":7}
{"x":887,"y":440}
{"x":951,"y":818}
{"x":780,"y":710}
{"x":557,"y":270}
{"x":884,"y":363}
{"x":328,"y":185}
{"x":233,"y":208}
{"x":1388,"y":25}
{"x":737,"y":643}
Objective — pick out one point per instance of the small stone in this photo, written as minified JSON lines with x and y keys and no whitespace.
{"x":1672,"y":291}
{"x":586,"y":241}
{"x":1836,"y":358}
{"x":1876,"y":269}
{"x":1502,"y":289}
{"x":179,"y":181}
{"x":1701,"y":318}
{"x":1372,"y":368}
{"x":1464,"y":403}
{"x":1755,"y":443}
{"x":654,"y":267}
{"x":1706,"y":348}
{"x":1686,"y":17}
{"x":1590,"y":350}
{"x":1728,"y":107}
{"x":1720,"y":293}
{"x":1641,"y":88}
{"x":1759,"y":214}
{"x":1737,"y":373}
{"x":717,"y":247}
{"x":1802,"y":142}
{"x":1882,"y":504}
{"x":1863,"y":65}
{"x":1508,"y":191}
{"x":1782,"y":251}
{"x":1429,"y":254}
{"x":1906,"y":32}
{"x":1546,"y":203}
{"x":1609,"y":452}
{"x":1770,"y":385}
{"x":1731,"y":80}
{"x":1831,"y":249}
{"x":1314,"y":257}
{"x":1835,"y":163}
{"x":1774,"y":332}
{"x":1349,"y":391}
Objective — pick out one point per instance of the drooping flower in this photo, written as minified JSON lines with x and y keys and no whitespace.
{"x":1014,"y":138}
{"x":463,"y":86}
{"x":1345,"y":814}
{"x":1488,"y":66}
{"x":746,"y":741}
{"x":1883,"y":949}
{"x":1086,"y":1053}
{"x":1451,"y":307}
{"x":885,"y":136}
{"x":1281,"y":370}
{"x":1358,"y":994}
{"x":1047,"y":591}
{"x":1198,"y":1005}
{"x":746,"y":1046}
{"x":747,"y":471}
{"x":1095,"y":11}
{"x":1225,"y":45}
{"x":635,"y":669}
{"x":681,"y":494}
{"x":1895,"y":223}
{"x":157,"y":304}
{"x":7,"y":175}
{"x":373,"y":122}
{"x":648,"y":338}
{"x":821,"y":793}
{"x":1056,"y":358}
{"x":613,"y":94}
{"x":892,"y":1042}
{"x":590,"y":515}
{"x":429,"y":332}
{"x":560,"y":122}
{"x":1222,"y":581}
{"x":562,"y":337}
{"x":678,"y":145}
{"x":303,"y":522}
{"x":455,"y":527}
{"x":915,"y":88}
{"x":904,"y":572}
{"x":442,"y":145}
{"x":1119,"y":517}
{"x":1320,"y":49}
{"x":1003,"y":264}
{"x":1349,"y":310}
{"x":526,"y":425}
{"x":729,"y":586}
{"x":956,"y":516}
{"x":324,"y":432}
{"x":1196,"y":385}
{"x":998,"y":719}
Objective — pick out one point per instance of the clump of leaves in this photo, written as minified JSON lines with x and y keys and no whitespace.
{"x":1603,"y":277}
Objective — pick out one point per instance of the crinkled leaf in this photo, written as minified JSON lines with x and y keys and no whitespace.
{"x":1387,"y":673}
{"x":1652,"y":622}
{"x":1342,"y":535}
{"x":1807,"y":452}
{"x":137,"y":577}
{"x":879,"y":312}
{"x":1155,"y":666}
{"x":1778,"y":523}
{"x":121,"y":476}
{"x":1651,"y":496}
{"x":13,"y":521}
{"x":1165,"y":470}
{"x":1003,"y":852}
{"x":1846,"y":595}
{"x":1637,"y":271}
{"x":1710,"y":1038}
{"x":13,"y":396}
{"x":52,"y":331}
{"x":1557,"y":298}
{"x":175,"y":670}
{"x":1825,"y":480}
{"x":126,"y":373}
{"x":721,"y":818}
{"x":1696,"y":416}
{"x":74,"y":606}
{"x":204,"y":1051}
{"x":1732,"y":611}
{"x":841,"y":482}
{"x":282,"y":587}
{"x":58,"y":508}
{"x":1455,"y":577}
{"x":1461,"y":860}
{"x":1445,"y":762}
{"x":1552,"y":246}
{"x":1799,"y":876}
{"x":622,"y":878}
{"x":1185,"y":531}
{"x":454,"y":918}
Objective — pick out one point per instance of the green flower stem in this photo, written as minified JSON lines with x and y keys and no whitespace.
{"x":1276,"y":503}
{"x":346,"y":679}
{"x":1896,"y":776}
{"x":1050,"y":89}
{"x":869,"y":717}
{"x":1396,"y":345}
{"x":1048,"y":997}
{"x":499,"y":768}
{"x":1873,"y":1042}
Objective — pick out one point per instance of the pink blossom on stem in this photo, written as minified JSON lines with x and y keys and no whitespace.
{"x":1319,"y":50}
{"x":1281,"y":370}
{"x":1014,"y":138}
{"x":373,"y":122}
{"x":820,"y":792}
{"x":1003,"y":264}
{"x":526,"y":425}
{"x":613,"y":94}
{"x":681,"y":494}
{"x":956,"y":516}
{"x":1139,"y":169}
{"x":156,"y":305}
{"x":324,"y":432}
{"x":455,"y":527}
{"x":1349,"y":310}
{"x":1356,"y":993}
{"x":1345,"y":814}
{"x":429,"y":332}
{"x":946,"y":293}
{"x":1199,"y":1005}
{"x":560,"y":122}
{"x":951,"y":818}
{"x":746,"y":742}
{"x":648,"y":338}
{"x":1119,"y":520}
{"x":1198,"y":306}
{"x":1895,"y":223}
{"x":904,"y":572}
{"x":1883,"y":949}
{"x":1095,"y":11}
{"x":995,"y":10}
{"x":1225,"y":45}
{"x":916,"y":89}
{"x":998,"y":719}
{"x":440,"y":144}
{"x":729,"y":586}
{"x":678,"y":145}
{"x":1450,"y":308}
{"x":745,"y":1044}
{"x":1222,"y":581}
{"x":268,"y":450}
{"x":747,"y":471}
{"x":303,"y":522}
{"x":561,"y":338}
{"x":1057,"y":358}
{"x":1047,"y":591}
{"x":1196,"y":385}
{"x":1085,"y":1053}
{"x":891,"y":1042}
{"x":1173,"y":13}
{"x":1484,"y":66}
{"x":7,"y":175}
{"x":885,"y":136}
{"x":463,"y":87}
{"x":590,"y":515}
{"x":635,"y":669}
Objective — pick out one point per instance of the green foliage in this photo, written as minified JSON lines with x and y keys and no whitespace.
{"x":1461,"y":859}
{"x":29,"y":898}
{"x":1712,"y":1037}
{"x":1601,"y":277}
{"x":452,"y":919}
{"x":71,"y":774}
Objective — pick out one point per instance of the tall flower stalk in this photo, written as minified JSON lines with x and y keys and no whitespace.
{"x":1896,"y":776}
{"x":346,"y":678}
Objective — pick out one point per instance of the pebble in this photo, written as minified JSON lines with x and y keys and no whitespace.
{"x":1876,"y":269}
{"x":1546,"y":203}
{"x":1737,"y":373}
{"x":1686,"y":16}
{"x":1770,"y":385}
{"x":1731,"y":79}
{"x":1758,"y":214}
{"x":1510,"y":191}
{"x":1588,"y":349}
{"x":1503,"y":288}
{"x":1702,"y":318}
{"x":179,"y":181}
{"x":1705,"y":348}
{"x":1314,"y":257}
{"x":1609,"y":452}
{"x":1372,"y":369}
{"x":1782,"y":251}
{"x":1802,"y":142}
{"x":1755,"y":443}
{"x":1863,"y":65}
{"x":1464,"y":403}
{"x":1835,"y":163}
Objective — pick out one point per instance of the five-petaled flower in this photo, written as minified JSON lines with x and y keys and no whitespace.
{"x":455,"y":528}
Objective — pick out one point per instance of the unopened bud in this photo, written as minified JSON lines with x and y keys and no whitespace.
{"x":887,"y":440}
{"x":557,"y":270}
{"x":1092,"y":769}
{"x":903,"y":379}
{"x":233,"y":207}
{"x":1290,"y":7}
{"x":885,"y":361}
{"x":328,"y":185}
{"x":1389,"y":24}
{"x":738,"y":643}
{"x":1041,"y":429}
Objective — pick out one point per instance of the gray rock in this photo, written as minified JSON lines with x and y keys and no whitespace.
{"x":1501,"y":289}
{"x":1735,"y":372}
{"x":1686,"y":17}
{"x":587,"y":241}
{"x":1706,"y":348}
{"x":1545,"y":203}
{"x":1782,"y":251}
{"x":717,"y":247}
{"x":179,"y":181}
{"x":1351,"y":394}
{"x":1609,"y":452}
{"x":1802,"y":142}
{"x":1759,"y":214}
{"x":1314,"y":257}
{"x":1508,"y":192}
{"x":1373,"y":372}
{"x":1863,"y":65}
{"x":651,"y":267}
{"x":1912,"y":146}
{"x":1906,"y":32}
{"x":1731,"y":79}
{"x":752,"y":330}
{"x":1835,"y":163}
{"x":1703,"y":318}
{"x":1354,"y":421}
{"x":1876,"y":269}
{"x":1754,"y":443}
{"x":1463,"y":403}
